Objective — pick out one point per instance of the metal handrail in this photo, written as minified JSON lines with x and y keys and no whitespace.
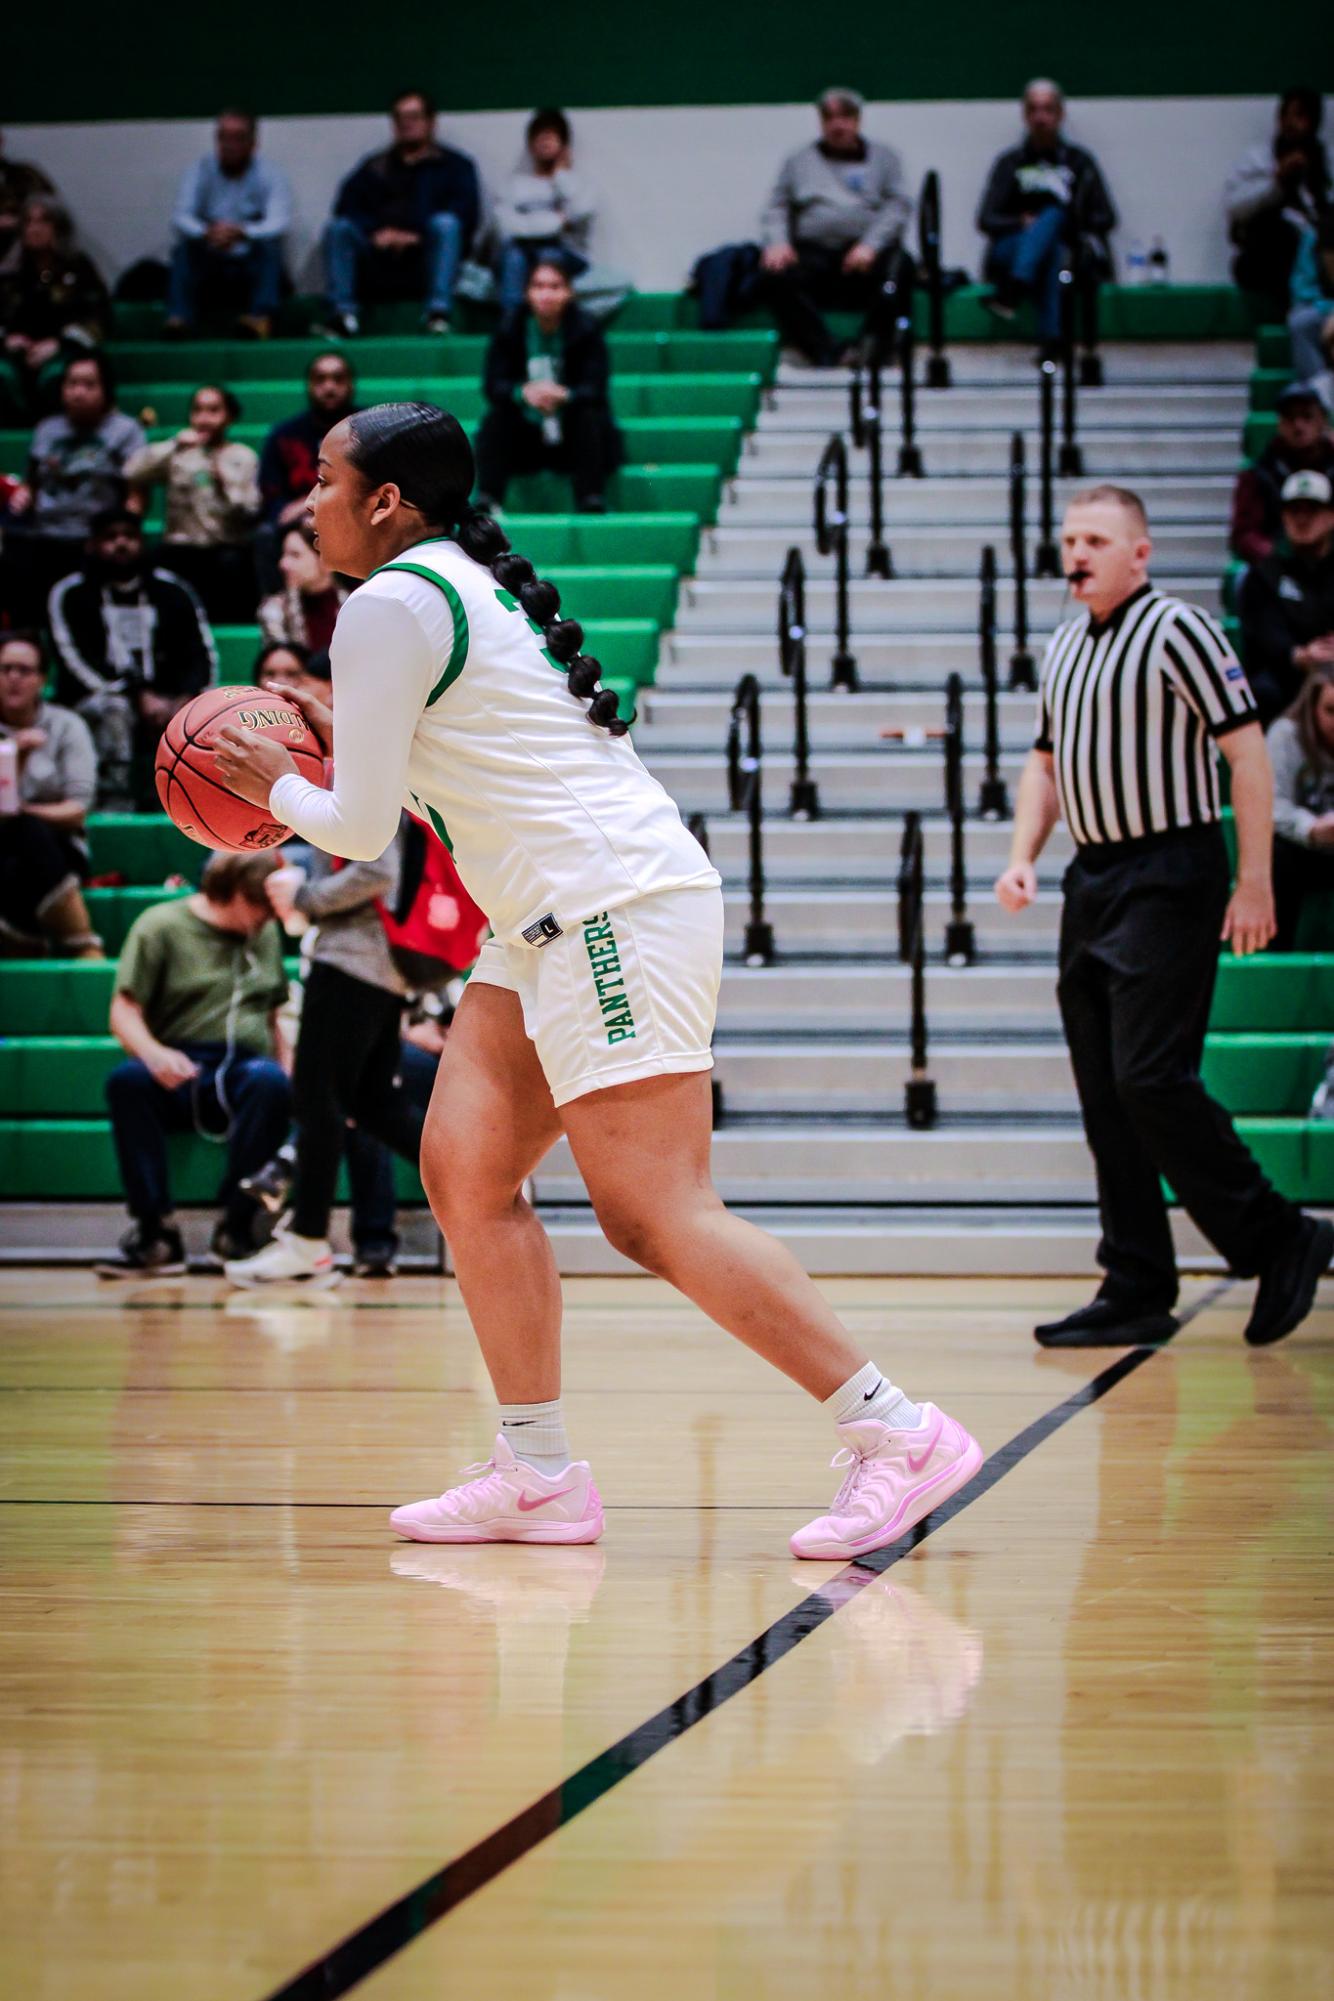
{"x":960,"y":938}
{"x":831,"y":537}
{"x":745,"y":789}
{"x":928,"y":243}
{"x":1046,"y":562}
{"x":910,"y":452}
{"x":697,"y":825}
{"x":1022,"y":671}
{"x":919,"y":1092}
{"x":804,"y":799}
{"x":867,"y":427}
{"x":993,"y":801}
{"x":1071,"y":457}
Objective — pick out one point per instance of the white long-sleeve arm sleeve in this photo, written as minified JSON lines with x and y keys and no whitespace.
{"x":383,"y":671}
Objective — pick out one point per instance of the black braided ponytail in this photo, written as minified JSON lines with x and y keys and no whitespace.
{"x":426,"y":454}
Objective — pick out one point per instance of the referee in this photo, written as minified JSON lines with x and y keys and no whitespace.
{"x":1133,"y":691}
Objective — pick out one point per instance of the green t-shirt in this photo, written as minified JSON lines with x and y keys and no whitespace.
{"x":187,"y":976}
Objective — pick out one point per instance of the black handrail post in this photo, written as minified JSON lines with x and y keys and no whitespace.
{"x":1047,"y":560}
{"x":804,"y":800}
{"x":745,"y":788}
{"x":832,"y":535}
{"x":960,"y":939}
{"x":1072,"y":459}
{"x":919,"y":1093}
{"x":879,"y":562}
{"x":697,"y":825}
{"x":910,"y":452}
{"x":993,"y":802}
{"x":1023,"y":673}
{"x":928,"y":236}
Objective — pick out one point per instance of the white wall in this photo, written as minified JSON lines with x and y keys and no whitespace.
{"x":674,"y":182}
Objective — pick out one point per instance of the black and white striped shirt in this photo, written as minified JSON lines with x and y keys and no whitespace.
{"x":1127,"y":709}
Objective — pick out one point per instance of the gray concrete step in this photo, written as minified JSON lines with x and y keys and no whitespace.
{"x":963,"y":499}
{"x":1004,"y":1161}
{"x":1010,"y":363}
{"x":884,"y":778}
{"x":1115,"y":455}
{"x":698,"y":721}
{"x":919,"y":551}
{"x":867,"y":1075}
{"x":864,"y":918}
{"x":874,"y":999}
{"x":858,"y":851}
{"x":968,"y":407}
{"x":910,"y":604}
{"x":905,"y":660}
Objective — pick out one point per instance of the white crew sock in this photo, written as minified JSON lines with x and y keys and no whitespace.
{"x":536,"y":1434}
{"x":869,"y":1394}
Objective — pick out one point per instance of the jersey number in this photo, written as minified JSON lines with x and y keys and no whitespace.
{"x":512,"y":604}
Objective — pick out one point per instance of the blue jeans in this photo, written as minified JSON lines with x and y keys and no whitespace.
{"x":1304,"y":324}
{"x":192,"y":261}
{"x":516,"y":260}
{"x":1031,"y":259}
{"x":255,"y":1116}
{"x":346,"y":245}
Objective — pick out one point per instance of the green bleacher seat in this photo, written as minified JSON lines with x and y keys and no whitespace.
{"x":167,"y":403}
{"x":113,"y":911}
{"x":607,"y":540}
{"x":625,"y":644}
{"x":1267,"y":385}
{"x":461,"y":357}
{"x":73,"y":1160}
{"x":1260,"y":428}
{"x":1273,"y":348}
{"x":141,"y":848}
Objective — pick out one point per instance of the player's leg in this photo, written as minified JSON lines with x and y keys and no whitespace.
{"x":490,"y":1122}
{"x":643,"y":1150}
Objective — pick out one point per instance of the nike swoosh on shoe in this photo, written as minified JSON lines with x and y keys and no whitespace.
{"x":542,"y":1501}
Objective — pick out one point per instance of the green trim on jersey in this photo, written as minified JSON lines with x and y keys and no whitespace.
{"x":458,"y":655}
{"x":426,"y":812}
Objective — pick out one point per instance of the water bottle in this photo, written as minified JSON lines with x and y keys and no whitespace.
{"x":1137,"y":264}
{"x":541,"y":369}
{"x":1158,"y":266}
{"x":9,"y":777}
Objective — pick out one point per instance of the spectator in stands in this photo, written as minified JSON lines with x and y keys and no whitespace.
{"x":1278,"y":189}
{"x":281,"y":664}
{"x":76,"y":469}
{"x":1045,"y":203}
{"x":837,"y":213}
{"x":198,"y":989}
{"x":52,"y":298}
{"x":304,"y":610}
{"x":548,"y":387}
{"x":1301,"y":443}
{"x":347,"y":1056}
{"x":212,"y":485}
{"x":403,"y":222}
{"x":1287,"y":600}
{"x":1311,"y":321}
{"x":18,"y":180}
{"x":232,"y":212}
{"x":1301,"y":750}
{"x":290,"y":458}
{"x":132,"y":644}
{"x":43,"y":854}
{"x":547,"y":206}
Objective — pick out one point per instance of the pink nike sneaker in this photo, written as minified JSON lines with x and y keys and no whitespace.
{"x":508,"y":1502}
{"x":893,"y":1479}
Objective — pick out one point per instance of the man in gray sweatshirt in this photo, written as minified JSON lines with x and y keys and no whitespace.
{"x":836,"y":215}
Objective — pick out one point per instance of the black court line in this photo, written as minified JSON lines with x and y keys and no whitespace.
{"x":365,"y":1950}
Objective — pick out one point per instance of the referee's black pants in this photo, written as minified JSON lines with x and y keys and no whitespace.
{"x":1139,"y":957}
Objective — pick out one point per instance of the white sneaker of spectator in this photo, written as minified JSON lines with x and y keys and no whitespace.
{"x":286,"y":1260}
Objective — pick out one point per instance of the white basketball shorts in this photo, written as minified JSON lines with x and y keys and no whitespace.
{"x":627,"y":994}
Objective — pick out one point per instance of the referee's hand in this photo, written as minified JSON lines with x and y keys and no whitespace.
{"x":1016,"y":889}
{"x":1248,"y":924}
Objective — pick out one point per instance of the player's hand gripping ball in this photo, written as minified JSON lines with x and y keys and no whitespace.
{"x":217,"y":761}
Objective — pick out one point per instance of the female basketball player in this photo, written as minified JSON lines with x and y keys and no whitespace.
{"x":462,"y":693}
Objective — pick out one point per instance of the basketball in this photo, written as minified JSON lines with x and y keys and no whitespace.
{"x":193,"y":791}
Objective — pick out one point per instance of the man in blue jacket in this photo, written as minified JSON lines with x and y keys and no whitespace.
{"x":404,"y":220}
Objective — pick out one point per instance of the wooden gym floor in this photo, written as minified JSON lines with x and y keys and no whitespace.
{"x":1078,"y":1741}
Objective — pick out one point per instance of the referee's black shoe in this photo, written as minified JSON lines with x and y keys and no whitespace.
{"x":1108,"y":1323}
{"x":1286,"y":1292}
